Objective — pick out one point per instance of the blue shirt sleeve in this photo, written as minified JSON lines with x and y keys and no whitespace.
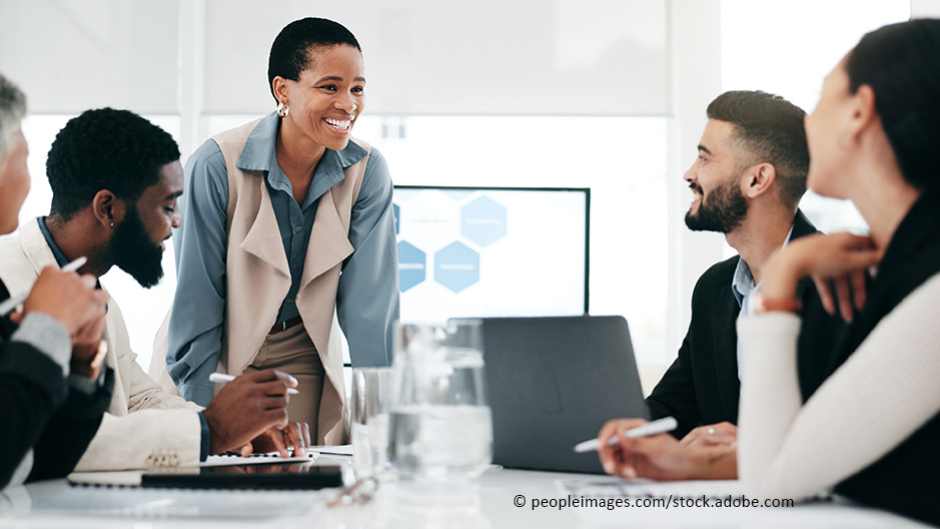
{"x":367,"y":301}
{"x":196,"y":323}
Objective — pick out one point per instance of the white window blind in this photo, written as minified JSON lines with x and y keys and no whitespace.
{"x":486,"y":57}
{"x":69,"y":56}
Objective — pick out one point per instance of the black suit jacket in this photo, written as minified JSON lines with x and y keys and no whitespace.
{"x":38,"y":412}
{"x":702,"y":387}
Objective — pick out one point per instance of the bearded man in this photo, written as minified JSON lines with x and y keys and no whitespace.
{"x":115,"y":181}
{"x":747,"y":182}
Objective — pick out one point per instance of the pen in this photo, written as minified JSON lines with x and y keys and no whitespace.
{"x":666,"y":424}
{"x":11,"y":303}
{"x":219,"y":377}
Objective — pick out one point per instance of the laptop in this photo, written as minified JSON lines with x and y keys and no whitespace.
{"x":552,"y":383}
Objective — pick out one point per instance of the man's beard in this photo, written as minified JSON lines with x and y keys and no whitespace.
{"x":724,"y":210}
{"x":133,"y":251}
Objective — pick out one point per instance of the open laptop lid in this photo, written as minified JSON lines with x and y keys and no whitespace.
{"x":553,"y":382}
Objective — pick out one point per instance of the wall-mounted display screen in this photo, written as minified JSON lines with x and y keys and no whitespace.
{"x":491,"y":251}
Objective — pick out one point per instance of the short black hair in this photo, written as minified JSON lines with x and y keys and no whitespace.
{"x":900,"y":64}
{"x":290,"y":51}
{"x":772,"y":130}
{"x":108,"y":149}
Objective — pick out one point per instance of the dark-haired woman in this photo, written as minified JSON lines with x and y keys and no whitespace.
{"x":52,"y":396}
{"x":872,"y":430}
{"x":286,"y":219}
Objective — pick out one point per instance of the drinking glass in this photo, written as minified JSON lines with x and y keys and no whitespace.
{"x":441,"y":427}
{"x":370,"y":419}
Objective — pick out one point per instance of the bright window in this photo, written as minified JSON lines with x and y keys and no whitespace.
{"x":791,"y":56}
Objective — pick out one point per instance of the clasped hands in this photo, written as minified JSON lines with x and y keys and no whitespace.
{"x":80,"y":307}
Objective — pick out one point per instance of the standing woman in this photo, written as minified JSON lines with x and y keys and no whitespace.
{"x":287,"y":218}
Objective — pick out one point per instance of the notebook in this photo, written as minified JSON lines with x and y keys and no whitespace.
{"x":261,"y":473}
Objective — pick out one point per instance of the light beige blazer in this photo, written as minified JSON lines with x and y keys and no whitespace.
{"x":258,"y":277}
{"x":144,"y":426}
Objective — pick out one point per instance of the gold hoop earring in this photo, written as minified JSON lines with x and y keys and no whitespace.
{"x":282,"y":109}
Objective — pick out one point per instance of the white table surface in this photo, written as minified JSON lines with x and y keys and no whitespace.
{"x":488,"y":502}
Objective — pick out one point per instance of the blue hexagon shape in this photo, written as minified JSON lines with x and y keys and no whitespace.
{"x":412,"y":266}
{"x":483,"y":221}
{"x":397,"y":212}
{"x":457,"y":266}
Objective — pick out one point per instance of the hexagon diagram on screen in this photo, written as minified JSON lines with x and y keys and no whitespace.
{"x":456,"y":267}
{"x":483,"y":221}
{"x":412,"y":265}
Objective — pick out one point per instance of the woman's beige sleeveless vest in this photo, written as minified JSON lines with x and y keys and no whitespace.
{"x":258,"y":277}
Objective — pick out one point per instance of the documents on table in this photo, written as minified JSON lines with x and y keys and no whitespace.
{"x":256,"y":459}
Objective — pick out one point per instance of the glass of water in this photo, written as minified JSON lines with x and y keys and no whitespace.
{"x":440,"y":426}
{"x":370,"y":419}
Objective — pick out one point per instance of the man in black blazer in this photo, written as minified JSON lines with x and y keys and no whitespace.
{"x":747,"y":181}
{"x":700,"y":389}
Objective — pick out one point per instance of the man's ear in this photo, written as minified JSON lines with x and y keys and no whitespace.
{"x":108,"y":209}
{"x":758,"y":179}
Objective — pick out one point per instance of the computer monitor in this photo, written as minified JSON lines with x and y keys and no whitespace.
{"x":487,"y":251}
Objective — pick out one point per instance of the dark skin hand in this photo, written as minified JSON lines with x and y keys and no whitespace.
{"x":295,"y":435}
{"x":247,"y":407}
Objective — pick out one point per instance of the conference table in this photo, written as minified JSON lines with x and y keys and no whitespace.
{"x":499,"y":498}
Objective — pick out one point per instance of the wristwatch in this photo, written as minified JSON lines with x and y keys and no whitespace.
{"x":761,"y":304}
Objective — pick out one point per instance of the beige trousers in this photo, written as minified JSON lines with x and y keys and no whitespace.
{"x":293,"y":352}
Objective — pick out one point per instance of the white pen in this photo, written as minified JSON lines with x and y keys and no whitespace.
{"x":663,"y":425}
{"x":12,"y":303}
{"x":219,"y":377}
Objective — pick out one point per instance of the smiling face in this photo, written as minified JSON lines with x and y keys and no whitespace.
{"x":717,"y":204}
{"x":827,"y":129}
{"x":137,"y":244}
{"x":14,"y":183}
{"x":327,"y":97}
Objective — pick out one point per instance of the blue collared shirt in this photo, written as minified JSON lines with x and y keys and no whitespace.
{"x":742,"y":285}
{"x":82,"y":382}
{"x":367,"y":300}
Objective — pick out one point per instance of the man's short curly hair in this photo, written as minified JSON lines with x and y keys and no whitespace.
{"x":108,"y":149}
